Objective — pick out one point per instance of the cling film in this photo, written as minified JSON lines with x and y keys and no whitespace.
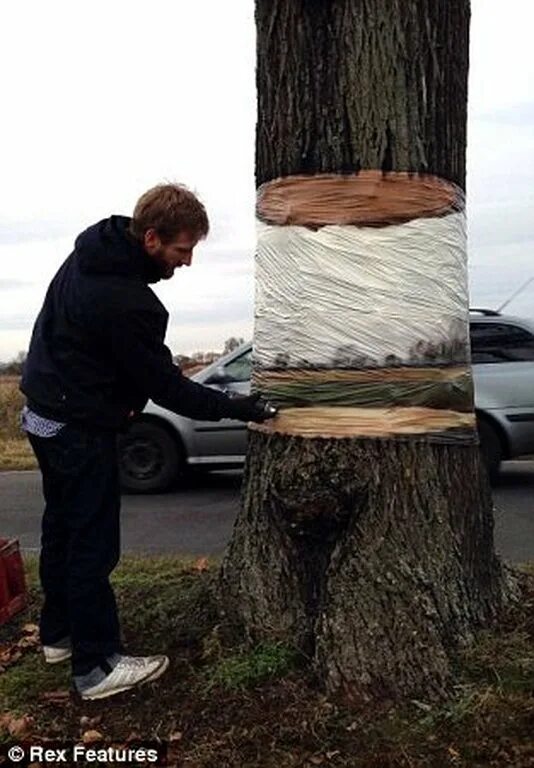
{"x":368,"y":314}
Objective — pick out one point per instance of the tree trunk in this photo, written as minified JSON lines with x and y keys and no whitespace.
{"x":365,"y":540}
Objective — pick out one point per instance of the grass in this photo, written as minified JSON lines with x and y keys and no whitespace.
{"x":16,"y":455}
{"x":28,"y":680}
{"x":249,"y":668}
{"x":11,"y":402}
{"x":15,"y":450}
{"x":225,"y":705}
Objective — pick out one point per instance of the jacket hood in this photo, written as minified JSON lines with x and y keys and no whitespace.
{"x":108,"y":248}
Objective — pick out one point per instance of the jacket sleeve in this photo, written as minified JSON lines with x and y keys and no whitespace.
{"x":140,"y":355}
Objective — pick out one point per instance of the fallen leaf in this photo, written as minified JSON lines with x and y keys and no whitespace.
{"x":28,"y":642}
{"x":30,"y":629}
{"x":332,"y":754}
{"x":316,"y":760}
{"x":89,"y":737}
{"x":56,"y":696}
{"x":201,"y":564}
{"x":453,"y":753}
{"x":176,"y":736}
{"x":19,"y":726}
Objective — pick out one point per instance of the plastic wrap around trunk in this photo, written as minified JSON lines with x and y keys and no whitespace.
{"x":355,"y":316}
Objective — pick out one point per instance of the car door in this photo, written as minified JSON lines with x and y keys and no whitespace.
{"x":502,"y":354}
{"x":227,"y":438}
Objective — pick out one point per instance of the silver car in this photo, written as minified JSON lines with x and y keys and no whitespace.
{"x":161,"y":447}
{"x":502,"y":353}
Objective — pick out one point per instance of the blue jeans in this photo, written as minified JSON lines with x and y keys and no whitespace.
{"x":80,"y":542}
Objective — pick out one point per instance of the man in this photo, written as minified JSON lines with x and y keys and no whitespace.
{"x":96,"y":356}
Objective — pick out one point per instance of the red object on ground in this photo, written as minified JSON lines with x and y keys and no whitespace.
{"x":13,"y":593}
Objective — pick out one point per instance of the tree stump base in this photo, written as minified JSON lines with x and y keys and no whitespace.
{"x":373,"y":556}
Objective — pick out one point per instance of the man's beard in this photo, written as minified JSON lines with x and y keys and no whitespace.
{"x":166,"y":271}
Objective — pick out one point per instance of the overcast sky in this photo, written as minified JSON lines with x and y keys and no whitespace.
{"x":104,"y":99}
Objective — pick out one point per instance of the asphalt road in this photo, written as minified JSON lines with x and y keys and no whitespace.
{"x":198,"y":519}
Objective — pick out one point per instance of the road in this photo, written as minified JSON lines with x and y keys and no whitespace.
{"x":198,"y":519}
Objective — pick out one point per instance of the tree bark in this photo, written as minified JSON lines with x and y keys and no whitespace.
{"x":350,"y":84}
{"x":374,"y":555}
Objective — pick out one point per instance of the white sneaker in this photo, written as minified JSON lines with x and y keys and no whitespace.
{"x":55,"y":654}
{"x":126,"y":674}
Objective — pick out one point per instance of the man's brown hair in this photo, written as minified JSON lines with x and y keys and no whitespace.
{"x":169,"y":209}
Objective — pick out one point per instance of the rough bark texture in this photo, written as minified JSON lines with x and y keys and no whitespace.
{"x":374,"y":556}
{"x":351,"y":84}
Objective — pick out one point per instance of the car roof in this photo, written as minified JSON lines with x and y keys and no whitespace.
{"x":492,"y":317}
{"x":228,"y":357}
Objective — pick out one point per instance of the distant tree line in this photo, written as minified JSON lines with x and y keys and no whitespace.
{"x":14,"y":367}
{"x":423,"y":353}
{"x":195,"y":360}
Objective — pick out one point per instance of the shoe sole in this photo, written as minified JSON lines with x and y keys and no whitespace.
{"x":153,"y":676}
{"x":158,"y":672}
{"x":58,"y":660}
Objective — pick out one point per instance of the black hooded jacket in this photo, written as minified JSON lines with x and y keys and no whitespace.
{"x":97,"y":350}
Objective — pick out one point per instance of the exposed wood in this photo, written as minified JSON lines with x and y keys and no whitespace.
{"x":367,"y":422}
{"x":366,"y":199}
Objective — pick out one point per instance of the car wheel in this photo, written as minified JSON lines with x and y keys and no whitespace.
{"x":150,"y":460}
{"x":490,"y":448}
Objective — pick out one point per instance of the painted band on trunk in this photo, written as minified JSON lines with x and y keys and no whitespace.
{"x":444,"y":426}
{"x":367,"y":199}
{"x":432,"y":388}
{"x":355,"y":311}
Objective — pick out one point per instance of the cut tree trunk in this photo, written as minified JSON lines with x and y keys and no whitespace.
{"x":373,"y":554}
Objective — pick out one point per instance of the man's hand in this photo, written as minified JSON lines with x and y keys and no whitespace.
{"x":250,"y":408}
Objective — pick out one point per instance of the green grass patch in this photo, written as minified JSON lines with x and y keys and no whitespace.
{"x":455,"y":395}
{"x":505,"y":662}
{"x":248,"y":668}
{"x":23,"y":684}
{"x":165,"y":599}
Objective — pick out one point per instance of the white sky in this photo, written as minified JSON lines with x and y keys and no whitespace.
{"x":104,"y":99}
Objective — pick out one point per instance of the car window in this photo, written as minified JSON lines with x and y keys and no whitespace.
{"x":239,"y":369}
{"x":500,"y":343}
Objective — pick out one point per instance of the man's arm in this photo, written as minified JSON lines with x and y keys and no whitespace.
{"x":142,"y":358}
